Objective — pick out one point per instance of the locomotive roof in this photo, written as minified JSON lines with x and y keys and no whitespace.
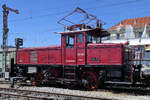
{"x":92,"y":31}
{"x":105,"y":44}
{"x":39,"y":48}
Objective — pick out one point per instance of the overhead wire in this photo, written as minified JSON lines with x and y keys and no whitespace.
{"x":89,"y":8}
{"x":44,"y":15}
{"x":39,"y":16}
{"x":51,"y":14}
{"x":17,"y":34}
{"x":115,"y":4}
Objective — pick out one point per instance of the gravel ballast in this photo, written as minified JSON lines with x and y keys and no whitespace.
{"x":99,"y":93}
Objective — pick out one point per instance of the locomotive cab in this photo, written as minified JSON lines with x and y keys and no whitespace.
{"x":74,"y":44}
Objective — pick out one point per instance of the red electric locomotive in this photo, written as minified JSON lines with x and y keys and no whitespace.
{"x":82,"y":59}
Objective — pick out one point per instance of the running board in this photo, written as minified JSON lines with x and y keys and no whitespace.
{"x":66,"y":80}
{"x":111,"y":82}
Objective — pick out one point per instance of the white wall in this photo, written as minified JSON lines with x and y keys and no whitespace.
{"x":137,"y":41}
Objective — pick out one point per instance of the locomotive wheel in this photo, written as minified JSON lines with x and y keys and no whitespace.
{"x":38,"y":79}
{"x":51,"y":74}
{"x":90,"y":80}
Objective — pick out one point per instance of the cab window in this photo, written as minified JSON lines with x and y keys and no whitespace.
{"x":93,"y":39}
{"x":80,"y":38}
{"x":70,"y":41}
{"x":89,"y":38}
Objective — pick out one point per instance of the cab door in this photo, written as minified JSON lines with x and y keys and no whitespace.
{"x":81,"y":49}
{"x":70,"y":50}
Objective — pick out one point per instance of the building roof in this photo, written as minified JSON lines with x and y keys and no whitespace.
{"x":134,"y":22}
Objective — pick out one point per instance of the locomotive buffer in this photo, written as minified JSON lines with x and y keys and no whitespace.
{"x":6,"y":10}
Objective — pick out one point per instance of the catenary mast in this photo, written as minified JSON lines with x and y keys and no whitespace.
{"x":5,"y":36}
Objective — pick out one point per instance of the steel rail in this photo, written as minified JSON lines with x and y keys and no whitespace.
{"x":5,"y":82}
{"x":44,"y":95}
{"x":22,"y":96}
{"x":129,"y":90}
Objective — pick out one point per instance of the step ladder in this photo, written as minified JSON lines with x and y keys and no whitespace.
{"x":69,"y":73}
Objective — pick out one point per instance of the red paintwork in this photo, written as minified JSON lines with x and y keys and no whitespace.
{"x":73,"y":56}
{"x":81,"y":54}
{"x":23,"y":57}
{"x":43,"y":55}
{"x":70,"y":56}
{"x":106,"y":54}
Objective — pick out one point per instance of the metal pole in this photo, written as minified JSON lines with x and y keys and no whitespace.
{"x":6,"y":10}
{"x":4,"y":45}
{"x":16,"y":53}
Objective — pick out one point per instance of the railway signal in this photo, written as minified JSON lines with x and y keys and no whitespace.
{"x":5,"y":36}
{"x":18,"y":42}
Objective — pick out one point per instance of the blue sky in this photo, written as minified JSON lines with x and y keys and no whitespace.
{"x":37,"y":19}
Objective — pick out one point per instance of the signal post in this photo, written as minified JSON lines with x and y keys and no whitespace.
{"x":6,"y":10}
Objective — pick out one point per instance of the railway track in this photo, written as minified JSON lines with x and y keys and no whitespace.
{"x":32,"y":93}
{"x":129,"y":90}
{"x":6,"y":93}
{"x":5,"y":82}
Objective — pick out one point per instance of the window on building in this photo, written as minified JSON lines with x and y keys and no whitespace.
{"x":80,"y":38}
{"x":118,"y":36}
{"x":70,"y":41}
{"x":140,"y":35}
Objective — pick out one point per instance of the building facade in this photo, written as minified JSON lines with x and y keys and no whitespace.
{"x":10,"y":59}
{"x":136,"y":31}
